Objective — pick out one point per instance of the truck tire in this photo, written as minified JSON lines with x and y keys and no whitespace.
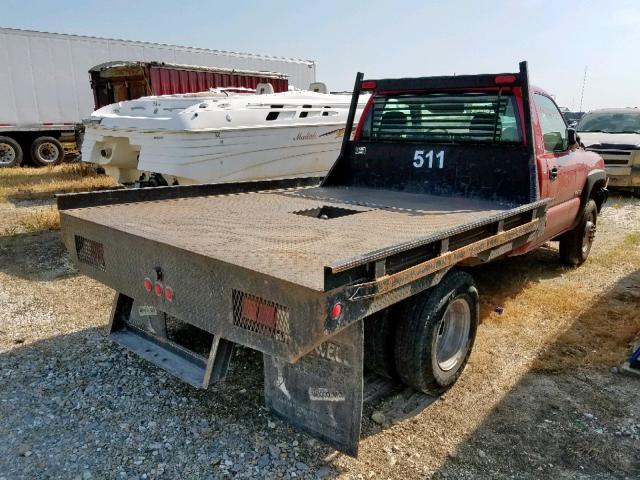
{"x":435,"y":336}
{"x":575,"y":245}
{"x":46,"y":151}
{"x":10,"y":152}
{"x":379,"y":333}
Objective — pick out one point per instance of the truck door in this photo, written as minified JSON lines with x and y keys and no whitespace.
{"x":559,"y":178}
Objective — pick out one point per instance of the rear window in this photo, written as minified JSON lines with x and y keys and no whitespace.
{"x":465,"y":117}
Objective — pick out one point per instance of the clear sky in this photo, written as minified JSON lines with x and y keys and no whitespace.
{"x":385,"y":38}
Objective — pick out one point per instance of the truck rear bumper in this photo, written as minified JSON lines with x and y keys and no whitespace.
{"x":144,"y":330}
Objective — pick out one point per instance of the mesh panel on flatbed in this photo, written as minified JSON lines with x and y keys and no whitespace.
{"x":90,"y":252}
{"x":261,"y":316}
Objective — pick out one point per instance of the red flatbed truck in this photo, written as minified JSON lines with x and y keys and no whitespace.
{"x":359,"y":271}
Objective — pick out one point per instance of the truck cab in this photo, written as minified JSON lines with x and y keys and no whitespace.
{"x":480,"y":139}
{"x":567,"y":173}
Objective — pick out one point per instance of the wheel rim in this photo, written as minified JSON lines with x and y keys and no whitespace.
{"x":589,"y":234}
{"x":453,"y":335}
{"x":48,"y":152}
{"x":7,"y":154}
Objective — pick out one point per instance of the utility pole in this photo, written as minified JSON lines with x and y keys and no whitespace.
{"x":584,"y":81}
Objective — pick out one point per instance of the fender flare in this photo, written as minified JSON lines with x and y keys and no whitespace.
{"x":594,"y":178}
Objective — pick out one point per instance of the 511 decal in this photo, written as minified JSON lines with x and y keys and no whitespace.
{"x":420,"y":157}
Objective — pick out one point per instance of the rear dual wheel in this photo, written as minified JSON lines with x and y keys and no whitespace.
{"x":426,"y":340}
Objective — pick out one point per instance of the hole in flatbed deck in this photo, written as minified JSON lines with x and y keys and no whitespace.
{"x":327,"y":212}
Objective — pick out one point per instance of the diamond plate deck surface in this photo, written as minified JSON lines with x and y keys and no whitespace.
{"x":260,"y":232}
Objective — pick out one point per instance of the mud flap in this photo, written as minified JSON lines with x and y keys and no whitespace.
{"x":321,"y":393}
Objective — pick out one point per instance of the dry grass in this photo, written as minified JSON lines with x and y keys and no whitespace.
{"x":605,"y":326}
{"x":43,"y":183}
{"x":629,"y":247}
{"x":579,"y":318}
{"x":44,"y":219}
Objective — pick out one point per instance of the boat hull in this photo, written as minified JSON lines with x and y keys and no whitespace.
{"x":214,"y":156}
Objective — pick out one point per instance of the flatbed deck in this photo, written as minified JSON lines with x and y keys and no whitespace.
{"x":265,"y":231}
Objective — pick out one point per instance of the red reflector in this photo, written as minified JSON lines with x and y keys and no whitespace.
{"x":168,"y":294}
{"x":267,"y":315}
{"x":502,"y":79}
{"x":336,"y":311}
{"x":147,"y":284}
{"x":368,"y":85}
{"x":259,"y":312}
{"x":250,"y":309}
{"x":158,"y":289}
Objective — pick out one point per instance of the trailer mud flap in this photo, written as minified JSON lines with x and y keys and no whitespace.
{"x":322,"y":392}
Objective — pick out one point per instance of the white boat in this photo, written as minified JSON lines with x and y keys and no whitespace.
{"x":218,"y":136}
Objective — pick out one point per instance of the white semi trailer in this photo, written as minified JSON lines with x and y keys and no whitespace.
{"x":45,"y":89}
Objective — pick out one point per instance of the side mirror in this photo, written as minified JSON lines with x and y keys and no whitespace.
{"x":572,"y":137}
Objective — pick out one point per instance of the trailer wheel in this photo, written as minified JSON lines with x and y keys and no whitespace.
{"x":576,"y":244}
{"x":433,"y":340}
{"x":378,"y":343}
{"x":46,"y":151}
{"x":10,"y":152}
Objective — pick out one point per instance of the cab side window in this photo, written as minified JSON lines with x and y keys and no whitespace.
{"x":554,"y":128}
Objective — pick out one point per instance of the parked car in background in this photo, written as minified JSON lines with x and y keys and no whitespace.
{"x":614,"y":133}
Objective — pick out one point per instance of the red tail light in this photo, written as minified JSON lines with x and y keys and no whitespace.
{"x":168,"y":293}
{"x":368,"y":85}
{"x":158,"y":289}
{"x":336,"y":311}
{"x":148,"y":286}
{"x":505,"y":79}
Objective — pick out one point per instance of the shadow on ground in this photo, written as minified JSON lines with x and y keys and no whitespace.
{"x":35,"y":256}
{"x":562,"y":420}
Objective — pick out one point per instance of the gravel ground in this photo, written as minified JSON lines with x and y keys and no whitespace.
{"x":73,"y":405}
